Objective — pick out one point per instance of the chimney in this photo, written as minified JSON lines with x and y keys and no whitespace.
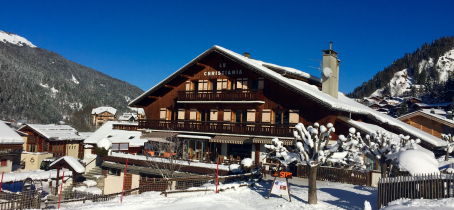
{"x":330,"y":72}
{"x":449,"y":115}
{"x":247,"y":55}
{"x":432,"y":111}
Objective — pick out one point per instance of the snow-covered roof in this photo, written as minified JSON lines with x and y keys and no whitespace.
{"x":116,"y":136}
{"x":437,"y":111}
{"x":438,"y":116}
{"x":432,"y":105}
{"x":79,"y":168}
{"x":55,"y":132}
{"x":8,"y":135}
{"x":102,"y":109}
{"x":342,"y":103}
{"x":85,"y":134}
{"x":35,"y":175}
{"x":417,"y":162}
{"x":128,"y":116}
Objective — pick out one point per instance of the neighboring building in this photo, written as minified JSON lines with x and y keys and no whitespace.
{"x":122,"y":140}
{"x":421,"y":106}
{"x":10,"y":147}
{"x":128,"y":117}
{"x":50,"y":141}
{"x":226,"y":102}
{"x":101,"y":115}
{"x":432,"y":121}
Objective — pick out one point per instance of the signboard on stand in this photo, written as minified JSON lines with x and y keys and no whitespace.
{"x":280,"y":187}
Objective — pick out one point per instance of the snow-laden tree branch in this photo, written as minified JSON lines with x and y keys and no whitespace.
{"x":449,"y":146}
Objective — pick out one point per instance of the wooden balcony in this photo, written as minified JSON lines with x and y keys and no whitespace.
{"x":221,"y":95}
{"x":261,"y":129}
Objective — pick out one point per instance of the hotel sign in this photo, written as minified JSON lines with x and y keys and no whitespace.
{"x":226,"y":72}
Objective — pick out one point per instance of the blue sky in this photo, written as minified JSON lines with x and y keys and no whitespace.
{"x":142,"y":42}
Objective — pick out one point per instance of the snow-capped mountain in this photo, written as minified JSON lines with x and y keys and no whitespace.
{"x":44,"y":87}
{"x":432,"y":62}
{"x":14,"y":39}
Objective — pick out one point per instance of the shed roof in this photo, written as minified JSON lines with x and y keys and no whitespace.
{"x":55,"y":132}
{"x":8,"y":135}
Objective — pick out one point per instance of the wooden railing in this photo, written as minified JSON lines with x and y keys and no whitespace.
{"x":264,"y":129}
{"x":221,"y":95}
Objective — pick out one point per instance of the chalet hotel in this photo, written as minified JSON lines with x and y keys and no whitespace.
{"x":234,"y":104}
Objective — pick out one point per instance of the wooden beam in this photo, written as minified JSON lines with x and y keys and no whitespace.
{"x":155,"y":97}
{"x":169,"y":86}
{"x":184,"y":75}
{"x":201,"y":64}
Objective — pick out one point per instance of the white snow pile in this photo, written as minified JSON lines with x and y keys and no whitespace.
{"x":235,"y":168}
{"x":8,"y":135}
{"x":14,"y":39}
{"x":116,"y":136}
{"x":79,"y":168}
{"x":247,"y":162}
{"x":450,"y":170}
{"x":417,"y":162}
{"x":92,"y":190}
{"x":104,"y":143}
{"x":425,"y":204}
{"x":35,"y":175}
{"x":90,"y":183}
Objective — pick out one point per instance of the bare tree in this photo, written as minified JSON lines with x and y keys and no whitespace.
{"x":164,"y":155}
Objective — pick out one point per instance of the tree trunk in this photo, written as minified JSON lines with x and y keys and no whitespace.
{"x":313,"y":185}
{"x":384,"y":166}
{"x":447,"y":153}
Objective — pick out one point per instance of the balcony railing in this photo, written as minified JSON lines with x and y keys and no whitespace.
{"x":221,"y":95}
{"x":262,"y":129}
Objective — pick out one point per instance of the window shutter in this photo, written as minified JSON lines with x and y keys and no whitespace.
{"x":115,"y":146}
{"x":294,"y":116}
{"x":224,"y":84}
{"x":193,"y":114}
{"x":162,"y":114}
{"x":261,"y":83}
{"x":250,"y":115}
{"x":239,"y":84}
{"x":214,"y":115}
{"x":181,"y":114}
{"x":205,"y":84}
{"x":124,"y":146}
{"x":227,"y":115}
{"x":200,"y":85}
{"x":266,"y":115}
{"x":219,"y":85}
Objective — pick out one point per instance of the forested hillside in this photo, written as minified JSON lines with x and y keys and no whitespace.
{"x":41,"y":86}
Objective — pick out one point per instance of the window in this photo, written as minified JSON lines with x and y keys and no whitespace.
{"x":162,"y":114}
{"x":180,"y":114}
{"x":266,"y":115}
{"x":4,"y":163}
{"x":120,"y":146}
{"x":115,"y":172}
{"x":227,"y":115}
{"x":241,"y":83}
{"x":282,"y":117}
{"x":213,"y":115}
{"x":205,"y":115}
{"x":240,"y":116}
{"x":193,"y":114}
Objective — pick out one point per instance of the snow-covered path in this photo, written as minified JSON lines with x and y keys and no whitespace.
{"x":330,"y":196}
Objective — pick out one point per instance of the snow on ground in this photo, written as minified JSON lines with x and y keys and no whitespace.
{"x":330,"y":196}
{"x":421,"y":204}
{"x":445,"y":65}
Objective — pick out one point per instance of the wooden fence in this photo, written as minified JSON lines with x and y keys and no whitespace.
{"x":429,"y":186}
{"x":23,"y":200}
{"x":336,"y":175}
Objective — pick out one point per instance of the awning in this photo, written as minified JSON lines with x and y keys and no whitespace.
{"x":162,"y":135}
{"x":229,"y":139}
{"x":268,"y":141}
{"x":193,"y":136}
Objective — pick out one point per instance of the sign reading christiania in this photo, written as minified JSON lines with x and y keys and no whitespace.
{"x":226,"y":72}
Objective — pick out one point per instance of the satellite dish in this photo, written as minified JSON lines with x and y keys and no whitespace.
{"x":327,"y":72}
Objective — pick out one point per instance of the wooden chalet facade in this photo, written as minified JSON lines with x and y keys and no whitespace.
{"x":229,"y":103}
{"x":10,"y":147}
{"x":101,"y":115}
{"x":430,"y":122}
{"x":58,"y":140}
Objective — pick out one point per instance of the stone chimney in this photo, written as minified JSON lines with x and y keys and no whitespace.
{"x":449,"y":115}
{"x":247,"y":55}
{"x":330,"y":83}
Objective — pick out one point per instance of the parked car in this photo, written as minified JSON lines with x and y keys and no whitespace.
{"x":46,"y":162}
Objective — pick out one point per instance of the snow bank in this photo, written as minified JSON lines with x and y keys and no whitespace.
{"x":94,"y":190}
{"x":35,"y":175}
{"x":408,"y":204}
{"x":417,"y":162}
{"x":235,"y":168}
{"x":247,"y":162}
{"x":90,"y":183}
{"x":104,"y":143}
